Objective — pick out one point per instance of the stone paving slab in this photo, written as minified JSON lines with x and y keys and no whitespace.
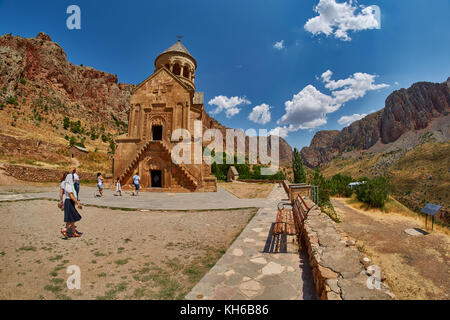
{"x":221,"y":199}
{"x":245,"y":272}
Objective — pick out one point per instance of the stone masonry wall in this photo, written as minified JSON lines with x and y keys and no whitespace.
{"x":339,"y":269}
{"x":40,"y":174}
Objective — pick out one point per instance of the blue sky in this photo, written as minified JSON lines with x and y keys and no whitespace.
{"x":233,"y":43}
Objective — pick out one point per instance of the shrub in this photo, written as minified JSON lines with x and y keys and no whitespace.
{"x":12,"y":100}
{"x":23,"y":81}
{"x":374,"y":192}
{"x":339,"y":185}
{"x":66,"y":123}
{"x":75,"y":127}
{"x":72,"y":141}
{"x":317,"y":179}
{"x":112,"y":146}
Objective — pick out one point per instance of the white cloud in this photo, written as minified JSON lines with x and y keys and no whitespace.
{"x":279,"y":131}
{"x":229,"y":105}
{"x":353,"y":87}
{"x":279,"y":45}
{"x":346,"y":120}
{"x":260,"y":114}
{"x":339,"y":18}
{"x":308,"y":108}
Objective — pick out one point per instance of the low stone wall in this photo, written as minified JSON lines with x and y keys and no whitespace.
{"x":339,"y":269}
{"x":260,"y":181}
{"x":35,"y":174}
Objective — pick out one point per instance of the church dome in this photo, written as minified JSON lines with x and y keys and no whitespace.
{"x":179,"y":61}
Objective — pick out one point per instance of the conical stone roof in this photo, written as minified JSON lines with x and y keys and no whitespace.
{"x":178,"y":47}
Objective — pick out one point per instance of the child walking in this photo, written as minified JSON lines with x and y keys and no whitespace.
{"x":100,"y":184}
{"x":118,"y":188}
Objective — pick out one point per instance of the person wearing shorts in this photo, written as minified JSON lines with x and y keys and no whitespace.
{"x":100,"y":184}
{"x":136,"y":179}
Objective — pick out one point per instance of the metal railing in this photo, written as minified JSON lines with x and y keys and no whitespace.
{"x":315,"y":194}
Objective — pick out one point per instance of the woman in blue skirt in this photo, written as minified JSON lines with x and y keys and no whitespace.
{"x":71,"y":214}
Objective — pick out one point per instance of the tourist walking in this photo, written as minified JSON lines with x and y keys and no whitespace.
{"x":76,"y":182}
{"x":61,"y":191}
{"x":71,"y":214}
{"x":99,"y":185}
{"x":136,"y":180}
{"x":118,"y":188}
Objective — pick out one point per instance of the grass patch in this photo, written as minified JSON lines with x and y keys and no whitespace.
{"x":55,"y":258}
{"x":53,"y":288}
{"x":27,"y":248}
{"x":57,"y":280}
{"x":112,"y":293}
{"x":122,"y":261}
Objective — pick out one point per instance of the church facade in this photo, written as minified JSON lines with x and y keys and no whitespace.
{"x":162,"y":103}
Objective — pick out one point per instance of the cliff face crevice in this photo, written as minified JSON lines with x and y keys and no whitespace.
{"x":405,"y":110}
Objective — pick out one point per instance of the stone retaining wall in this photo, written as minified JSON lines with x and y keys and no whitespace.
{"x":36,"y":174}
{"x":339,"y":269}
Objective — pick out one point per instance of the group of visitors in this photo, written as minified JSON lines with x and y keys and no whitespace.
{"x":69,"y":192}
{"x":136,"y":182}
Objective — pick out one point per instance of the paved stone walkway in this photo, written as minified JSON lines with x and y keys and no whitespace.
{"x":221,"y":199}
{"x":246,"y":272}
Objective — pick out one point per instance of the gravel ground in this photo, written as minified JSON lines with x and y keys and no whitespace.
{"x":414,"y":267}
{"x":121,"y":255}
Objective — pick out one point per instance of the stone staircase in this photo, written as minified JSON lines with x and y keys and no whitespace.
{"x":129,"y":170}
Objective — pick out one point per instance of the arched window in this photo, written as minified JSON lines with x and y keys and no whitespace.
{"x":186,"y":72}
{"x":176,"y":69}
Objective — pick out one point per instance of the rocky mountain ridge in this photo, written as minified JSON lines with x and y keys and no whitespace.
{"x":405,"y":110}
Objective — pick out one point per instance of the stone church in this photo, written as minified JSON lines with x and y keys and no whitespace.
{"x":164,"y":102}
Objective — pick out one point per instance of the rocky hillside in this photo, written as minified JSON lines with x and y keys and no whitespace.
{"x":406,"y":110}
{"x":37,"y":68}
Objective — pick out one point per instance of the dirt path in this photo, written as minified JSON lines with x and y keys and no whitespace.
{"x":75,"y":162}
{"x":121,"y":255}
{"x":414,"y":267}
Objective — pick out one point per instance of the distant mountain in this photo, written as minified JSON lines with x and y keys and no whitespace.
{"x":406,"y":110}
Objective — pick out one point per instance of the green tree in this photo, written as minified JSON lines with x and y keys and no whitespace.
{"x":339,"y":185}
{"x":299,"y":171}
{"x":72,"y":141}
{"x":66,"y":123}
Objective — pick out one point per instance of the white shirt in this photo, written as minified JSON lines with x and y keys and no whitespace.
{"x":62,"y":186}
{"x":136,"y":179}
{"x":118,"y":187}
{"x":68,"y":189}
{"x":76,"y":178}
